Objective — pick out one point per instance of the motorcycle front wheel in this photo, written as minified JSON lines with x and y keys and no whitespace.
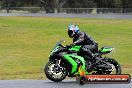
{"x":54,"y":72}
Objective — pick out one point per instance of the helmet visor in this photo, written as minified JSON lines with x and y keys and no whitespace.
{"x":70,"y":33}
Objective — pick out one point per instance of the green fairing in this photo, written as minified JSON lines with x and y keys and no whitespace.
{"x":106,"y":49}
{"x":74,"y":64}
{"x":75,"y":48}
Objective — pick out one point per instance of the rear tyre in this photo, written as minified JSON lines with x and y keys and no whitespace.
{"x":114,"y":64}
{"x":52,"y":75}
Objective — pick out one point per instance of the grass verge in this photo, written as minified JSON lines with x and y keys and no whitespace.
{"x":26,"y":42}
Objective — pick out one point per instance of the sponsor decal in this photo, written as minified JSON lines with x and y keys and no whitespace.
{"x":124,"y":78}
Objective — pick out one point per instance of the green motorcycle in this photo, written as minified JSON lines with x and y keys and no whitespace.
{"x":65,"y":61}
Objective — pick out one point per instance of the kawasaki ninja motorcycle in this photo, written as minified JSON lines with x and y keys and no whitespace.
{"x":65,"y":61}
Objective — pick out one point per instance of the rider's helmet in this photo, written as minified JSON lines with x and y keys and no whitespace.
{"x":72,"y":30}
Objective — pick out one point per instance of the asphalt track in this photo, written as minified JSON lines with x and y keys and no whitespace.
{"x":70,"y":83}
{"x":64,"y":15}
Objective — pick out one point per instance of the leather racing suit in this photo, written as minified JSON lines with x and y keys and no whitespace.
{"x":89,"y":46}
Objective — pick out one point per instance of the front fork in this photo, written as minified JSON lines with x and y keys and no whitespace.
{"x":57,"y":66}
{"x":58,"y":62}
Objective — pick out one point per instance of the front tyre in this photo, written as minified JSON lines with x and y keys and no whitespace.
{"x":55,"y":73}
{"x":116,"y":68}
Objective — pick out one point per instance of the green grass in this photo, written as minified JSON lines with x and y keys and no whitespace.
{"x":26,"y":42}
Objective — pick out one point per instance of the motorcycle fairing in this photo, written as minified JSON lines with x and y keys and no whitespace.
{"x":72,"y":59}
{"x":75,"y":48}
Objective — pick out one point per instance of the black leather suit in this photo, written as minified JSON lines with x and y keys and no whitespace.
{"x":89,"y":46}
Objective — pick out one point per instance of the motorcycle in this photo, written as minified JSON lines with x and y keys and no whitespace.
{"x":65,"y":61}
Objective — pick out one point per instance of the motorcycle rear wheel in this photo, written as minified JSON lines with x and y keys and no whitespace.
{"x":115,"y":64}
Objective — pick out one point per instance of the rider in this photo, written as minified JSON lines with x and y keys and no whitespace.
{"x":89,"y":46}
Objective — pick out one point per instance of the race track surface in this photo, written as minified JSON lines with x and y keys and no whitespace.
{"x":70,"y":83}
{"x":63,"y":15}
